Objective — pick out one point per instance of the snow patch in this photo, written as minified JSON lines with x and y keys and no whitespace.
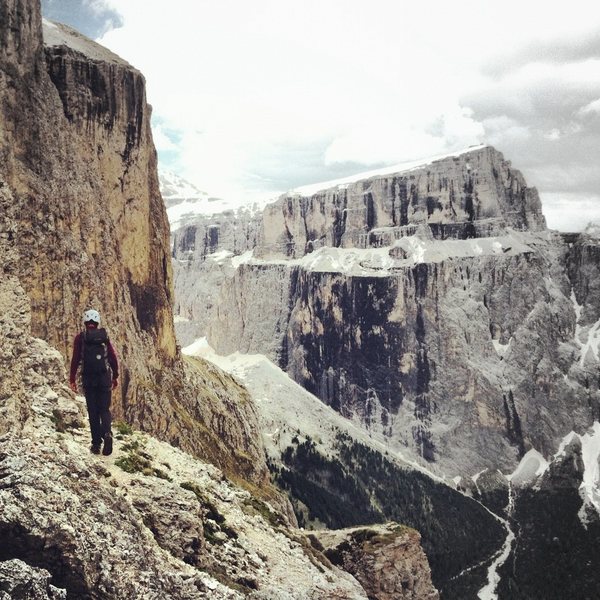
{"x":589,"y":349}
{"x":220,"y":256}
{"x":242,"y":259}
{"x":183,"y":212}
{"x":590,"y":452}
{"x":378,"y":261}
{"x":185,"y":202}
{"x":564,"y":443}
{"x":500,"y":348}
{"x":593,"y":230}
{"x":578,"y":307}
{"x":309,"y":190}
{"x":478,"y":475}
{"x":532,"y":465}
{"x":586,"y":337}
{"x":199,"y":347}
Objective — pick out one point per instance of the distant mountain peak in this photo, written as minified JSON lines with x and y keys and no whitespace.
{"x":186,"y":202}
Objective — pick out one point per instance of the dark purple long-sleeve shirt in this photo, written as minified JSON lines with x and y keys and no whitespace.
{"x":76,"y":358}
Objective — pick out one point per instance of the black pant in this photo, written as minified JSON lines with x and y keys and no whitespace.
{"x":98,"y":405}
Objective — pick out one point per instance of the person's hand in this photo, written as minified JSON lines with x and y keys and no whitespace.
{"x":73,"y":386}
{"x":114,"y":383}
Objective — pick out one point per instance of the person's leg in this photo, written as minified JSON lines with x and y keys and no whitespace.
{"x":91,"y":399}
{"x":104,"y":399}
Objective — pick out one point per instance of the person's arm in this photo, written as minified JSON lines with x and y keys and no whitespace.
{"x":75,"y":360}
{"x":114,"y":364}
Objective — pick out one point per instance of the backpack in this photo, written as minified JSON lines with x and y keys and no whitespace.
{"x":94,"y":356}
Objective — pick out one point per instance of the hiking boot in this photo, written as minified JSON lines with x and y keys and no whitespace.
{"x":107,"y":444}
{"x":95,"y":448}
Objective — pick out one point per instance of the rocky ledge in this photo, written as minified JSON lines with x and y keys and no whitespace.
{"x":149,"y":521}
{"x":386,"y":559}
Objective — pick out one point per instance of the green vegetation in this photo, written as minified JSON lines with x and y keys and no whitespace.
{"x":361,"y":486}
{"x":211,"y":511}
{"x":331,"y":492}
{"x":122,"y":428}
{"x":253,"y":505}
{"x":136,"y":460}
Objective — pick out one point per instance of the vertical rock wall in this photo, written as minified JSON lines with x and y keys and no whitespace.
{"x":78,"y":155}
{"x":469,"y":361}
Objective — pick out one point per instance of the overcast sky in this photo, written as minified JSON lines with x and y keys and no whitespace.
{"x":257,"y":97}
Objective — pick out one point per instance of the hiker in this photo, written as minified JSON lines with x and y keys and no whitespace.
{"x":100,"y":370}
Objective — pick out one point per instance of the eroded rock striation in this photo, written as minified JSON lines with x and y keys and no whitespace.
{"x":471,"y":194}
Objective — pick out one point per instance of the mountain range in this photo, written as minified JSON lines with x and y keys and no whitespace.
{"x":388,"y":388}
{"x":430,"y":307}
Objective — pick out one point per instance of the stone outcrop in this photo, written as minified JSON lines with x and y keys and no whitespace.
{"x":387,"y":560}
{"x":19,"y":581}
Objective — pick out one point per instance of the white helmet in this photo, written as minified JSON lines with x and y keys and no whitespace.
{"x":91,"y":315}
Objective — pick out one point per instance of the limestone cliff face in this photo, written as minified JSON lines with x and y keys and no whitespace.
{"x":471,"y":194}
{"x":220,"y":235}
{"x":79,"y":158}
{"x":449,"y":326}
{"x":83,"y":219}
{"x":583,"y":263}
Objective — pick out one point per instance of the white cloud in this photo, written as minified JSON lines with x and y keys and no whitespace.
{"x":593,"y":108}
{"x":162,"y":141}
{"x":405,"y":137}
{"x":553,"y":135}
{"x":570,"y":211}
{"x":99,"y":7}
{"x":502,"y":130}
{"x":244,"y":85}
